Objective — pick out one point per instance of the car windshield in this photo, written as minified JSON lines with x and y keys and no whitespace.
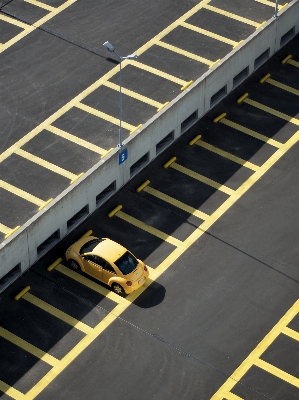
{"x":126,"y":263}
{"x":89,"y":246}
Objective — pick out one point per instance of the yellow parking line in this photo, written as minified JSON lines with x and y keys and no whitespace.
{"x":208,"y":33}
{"x":45,"y":164}
{"x":90,"y":284}
{"x":231,"y":15}
{"x":176,"y":203}
{"x":14,"y":22}
{"x":21,"y":193}
{"x":293,"y":62}
{"x":271,"y":3}
{"x":4,"y":229}
{"x":185,"y":53}
{"x":254,"y":356}
{"x":135,"y":95}
{"x":57,"y":313}
{"x":277,"y":372}
{"x":23,"y":344}
{"x":41,"y":5}
{"x":104,"y":116}
{"x":202,"y":178}
{"x":75,"y":139}
{"x":78,"y":349}
{"x":227,"y":155}
{"x":291,"y":333}
{"x":269,"y":110}
{"x":12,"y":392}
{"x":150,"y":229}
{"x":119,"y":309}
{"x":158,"y":72}
{"x":250,"y":132}
{"x":282,"y":86}
{"x":31,"y":28}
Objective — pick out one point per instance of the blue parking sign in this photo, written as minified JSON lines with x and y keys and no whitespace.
{"x":122,"y":156}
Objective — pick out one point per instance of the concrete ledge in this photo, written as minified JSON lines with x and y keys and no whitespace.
{"x":51,"y":222}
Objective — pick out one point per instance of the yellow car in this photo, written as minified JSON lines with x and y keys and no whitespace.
{"x":109,"y":262}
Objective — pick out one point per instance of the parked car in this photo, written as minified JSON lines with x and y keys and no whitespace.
{"x":109,"y":262}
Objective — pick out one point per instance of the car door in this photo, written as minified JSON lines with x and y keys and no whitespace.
{"x":108,"y":271}
{"x":92,"y":267}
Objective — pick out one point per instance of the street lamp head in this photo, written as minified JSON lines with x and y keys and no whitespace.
{"x":109,"y":46}
{"x":131,"y":57}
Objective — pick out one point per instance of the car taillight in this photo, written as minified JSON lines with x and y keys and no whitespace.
{"x":129,"y":283}
{"x":145,"y":269}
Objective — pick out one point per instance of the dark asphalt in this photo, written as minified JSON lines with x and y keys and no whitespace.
{"x":53,"y":64}
{"x":189,"y":331}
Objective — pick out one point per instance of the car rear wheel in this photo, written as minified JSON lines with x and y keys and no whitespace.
{"x":74,"y":265}
{"x":118,"y":289}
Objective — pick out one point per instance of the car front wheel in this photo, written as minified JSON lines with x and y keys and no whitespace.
{"x":118,"y":289}
{"x":74,"y":265}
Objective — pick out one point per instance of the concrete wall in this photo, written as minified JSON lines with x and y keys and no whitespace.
{"x":21,"y":247}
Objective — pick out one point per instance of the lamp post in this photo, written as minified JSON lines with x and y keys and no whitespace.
{"x":276,"y":10}
{"x":111,"y":48}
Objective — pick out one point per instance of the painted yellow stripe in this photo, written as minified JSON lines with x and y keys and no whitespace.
{"x":135,"y":95}
{"x":293,"y":62}
{"x":269,"y":110}
{"x":45,"y":164}
{"x":250,"y":132}
{"x":209,"y":34}
{"x":271,"y":4}
{"x":176,"y":203}
{"x":202,"y":178}
{"x":21,"y":193}
{"x":118,"y":310}
{"x":41,"y":5}
{"x":149,"y":229}
{"x":90,"y":284}
{"x":104,"y":116}
{"x":282,"y":86}
{"x":185,"y":53}
{"x":10,"y":391}
{"x":13,"y":22}
{"x":75,"y":139}
{"x":277,"y":372}
{"x":5,"y":229}
{"x":255,"y":355}
{"x":57,"y":313}
{"x":47,"y":358}
{"x":291,"y":333}
{"x":162,"y":74}
{"x":50,"y":120}
{"x":227,"y":155}
{"x":172,"y":26}
{"x":31,"y":28}
{"x":233,"y":16}
{"x":78,"y":349}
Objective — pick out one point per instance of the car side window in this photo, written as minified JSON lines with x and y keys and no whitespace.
{"x":108,"y":267}
{"x":89,"y":257}
{"x":98,"y":260}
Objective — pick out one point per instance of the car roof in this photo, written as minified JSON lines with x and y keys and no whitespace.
{"x":109,"y":250}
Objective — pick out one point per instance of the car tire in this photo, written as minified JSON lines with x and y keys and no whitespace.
{"x":118,"y":289}
{"x":74,"y":265}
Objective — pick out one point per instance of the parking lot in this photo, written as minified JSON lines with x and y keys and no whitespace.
{"x":215,"y":217}
{"x":60,"y":88}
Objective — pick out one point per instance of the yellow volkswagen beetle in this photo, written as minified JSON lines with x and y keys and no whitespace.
{"x":109,"y":262}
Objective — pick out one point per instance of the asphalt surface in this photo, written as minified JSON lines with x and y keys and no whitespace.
{"x":213,"y":305}
{"x":52,"y":51}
